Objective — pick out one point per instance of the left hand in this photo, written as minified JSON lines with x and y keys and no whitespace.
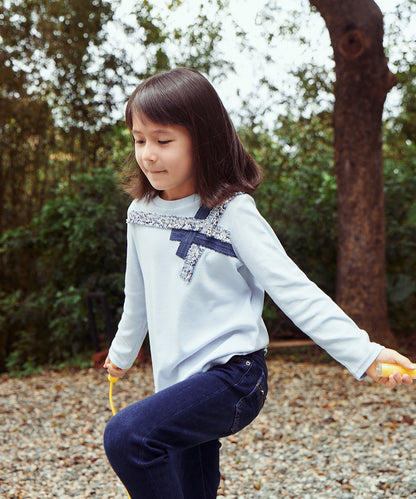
{"x":113,"y":370}
{"x":395,"y":379}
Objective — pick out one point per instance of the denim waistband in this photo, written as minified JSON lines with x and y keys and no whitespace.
{"x":259,"y":356}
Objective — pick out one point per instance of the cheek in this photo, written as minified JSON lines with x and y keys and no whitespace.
{"x":187,"y":158}
{"x":137,"y":156}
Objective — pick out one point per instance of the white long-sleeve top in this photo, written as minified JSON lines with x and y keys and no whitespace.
{"x":195,"y":280}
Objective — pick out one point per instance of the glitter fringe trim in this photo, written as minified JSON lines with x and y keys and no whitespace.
{"x":207,"y":226}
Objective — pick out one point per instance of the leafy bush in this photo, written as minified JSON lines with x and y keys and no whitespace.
{"x":400,"y":189}
{"x":75,"y":246}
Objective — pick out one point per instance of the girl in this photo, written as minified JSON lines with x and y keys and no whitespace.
{"x":199,"y":258}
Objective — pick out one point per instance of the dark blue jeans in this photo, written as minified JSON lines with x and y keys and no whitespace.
{"x":166,"y":446}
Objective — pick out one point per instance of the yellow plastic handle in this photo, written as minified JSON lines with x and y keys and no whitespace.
{"x":112,"y":380}
{"x":385,"y":369}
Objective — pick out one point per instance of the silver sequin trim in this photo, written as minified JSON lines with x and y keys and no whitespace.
{"x":194,"y":254}
{"x":208,"y":226}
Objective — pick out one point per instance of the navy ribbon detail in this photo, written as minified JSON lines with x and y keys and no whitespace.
{"x":202,"y":213}
{"x":188,"y":237}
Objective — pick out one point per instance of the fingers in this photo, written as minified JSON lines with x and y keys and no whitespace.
{"x":406,"y":379}
{"x":396,"y":358}
{"x":396,"y":378}
{"x":113,"y":370}
{"x":107,"y":362}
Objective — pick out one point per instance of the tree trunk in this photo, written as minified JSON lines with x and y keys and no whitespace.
{"x":362,"y":83}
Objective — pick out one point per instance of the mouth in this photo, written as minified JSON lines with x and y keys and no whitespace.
{"x":155,"y":172}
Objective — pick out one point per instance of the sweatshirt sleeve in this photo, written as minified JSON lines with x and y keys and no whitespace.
{"x":132,"y":327}
{"x":259,"y":249}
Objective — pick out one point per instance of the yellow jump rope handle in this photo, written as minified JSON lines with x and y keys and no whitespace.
{"x":113,"y":380}
{"x":385,"y":369}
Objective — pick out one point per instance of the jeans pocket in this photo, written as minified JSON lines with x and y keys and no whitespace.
{"x":249,"y":406}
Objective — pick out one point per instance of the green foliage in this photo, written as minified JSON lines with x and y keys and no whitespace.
{"x":52,"y":64}
{"x":400,"y":189}
{"x":171,"y":43}
{"x":75,"y":246}
{"x":54,"y":49}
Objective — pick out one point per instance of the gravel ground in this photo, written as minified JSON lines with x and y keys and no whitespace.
{"x":321,"y":434}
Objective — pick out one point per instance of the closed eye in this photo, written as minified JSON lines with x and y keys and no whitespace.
{"x":143,"y":141}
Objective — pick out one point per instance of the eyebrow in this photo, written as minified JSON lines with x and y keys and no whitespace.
{"x":161,"y":130}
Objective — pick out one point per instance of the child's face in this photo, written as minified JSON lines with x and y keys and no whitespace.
{"x":164,"y":154}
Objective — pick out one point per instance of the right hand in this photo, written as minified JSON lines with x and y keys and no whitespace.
{"x":395,"y":379}
{"x":113,"y":370}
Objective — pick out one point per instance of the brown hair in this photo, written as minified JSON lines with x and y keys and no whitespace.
{"x":184,"y":97}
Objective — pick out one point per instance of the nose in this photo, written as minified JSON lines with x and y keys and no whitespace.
{"x":148,"y":152}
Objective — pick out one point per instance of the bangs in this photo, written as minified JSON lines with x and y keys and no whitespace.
{"x":158,"y":102}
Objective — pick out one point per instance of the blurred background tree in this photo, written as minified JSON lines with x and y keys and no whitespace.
{"x":362,"y":83}
{"x":63,"y":145}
